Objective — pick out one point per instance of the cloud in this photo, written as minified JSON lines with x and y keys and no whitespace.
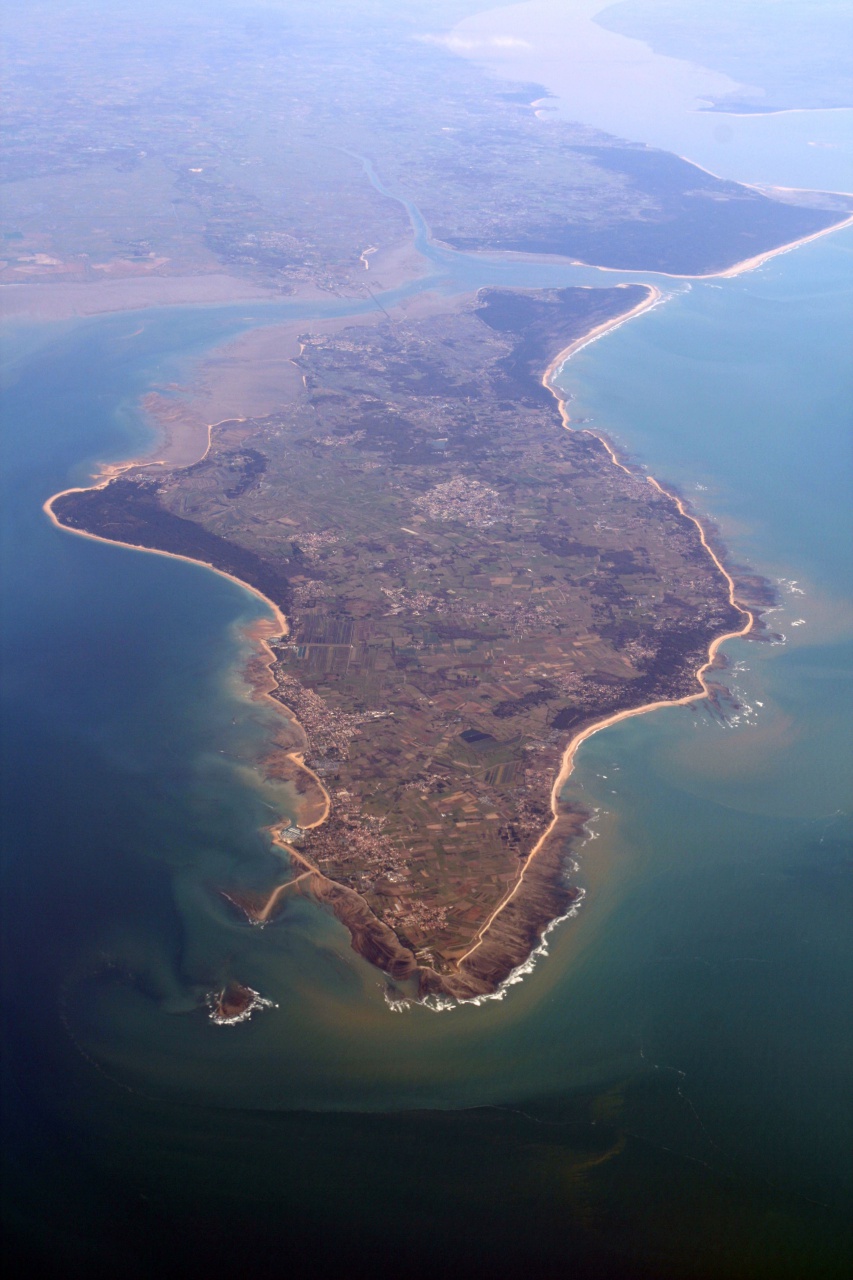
{"x":473,"y":44}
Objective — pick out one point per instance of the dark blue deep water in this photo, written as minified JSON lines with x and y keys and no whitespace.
{"x":666,"y":1094}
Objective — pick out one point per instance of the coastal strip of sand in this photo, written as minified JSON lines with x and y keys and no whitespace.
{"x":260,"y":634}
{"x":751,"y":264}
{"x":568,"y":758}
{"x":47,"y":507}
{"x":747,"y":264}
{"x":726,"y":273}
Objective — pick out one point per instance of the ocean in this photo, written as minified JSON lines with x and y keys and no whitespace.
{"x":665,"y":1092}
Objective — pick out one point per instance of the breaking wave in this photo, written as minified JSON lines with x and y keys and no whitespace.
{"x":441,"y":1004}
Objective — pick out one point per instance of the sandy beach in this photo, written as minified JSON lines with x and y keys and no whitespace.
{"x":568,"y":758}
{"x":751,"y":264}
{"x":47,"y":507}
{"x":737,"y":268}
{"x":655,"y":296}
{"x":260,"y":634}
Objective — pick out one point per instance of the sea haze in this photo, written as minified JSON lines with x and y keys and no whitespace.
{"x":667,"y":1092}
{"x":622,"y":85}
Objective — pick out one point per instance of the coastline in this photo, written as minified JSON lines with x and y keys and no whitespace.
{"x":758,"y":260}
{"x":47,"y":508}
{"x":46,"y":303}
{"x":47,"y":300}
{"x":727,"y":273}
{"x":370,"y":936}
{"x":568,"y":758}
{"x":280,"y":626}
{"x":751,"y":264}
{"x":718,"y":109}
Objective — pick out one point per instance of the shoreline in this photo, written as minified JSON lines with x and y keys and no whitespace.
{"x":727,"y":273}
{"x":280,"y":627}
{"x":328,"y":891}
{"x":752,"y":264}
{"x":719,"y":110}
{"x":45,"y":301}
{"x":568,"y":757}
{"x":47,"y":508}
{"x":48,"y":314}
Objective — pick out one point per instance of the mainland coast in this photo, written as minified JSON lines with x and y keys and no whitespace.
{"x":739,"y":268}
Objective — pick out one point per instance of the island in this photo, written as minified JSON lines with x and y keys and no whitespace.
{"x":234,"y":1003}
{"x":465,"y":585}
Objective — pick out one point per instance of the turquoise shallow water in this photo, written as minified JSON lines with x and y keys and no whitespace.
{"x":664,"y":1094}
